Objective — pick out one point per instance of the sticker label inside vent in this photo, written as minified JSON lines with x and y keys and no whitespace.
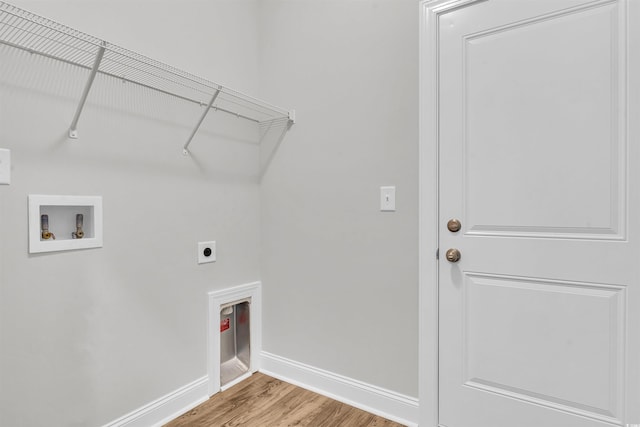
{"x":225,"y":324}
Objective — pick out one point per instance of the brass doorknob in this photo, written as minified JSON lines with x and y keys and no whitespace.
{"x":453,"y":255}
{"x":454,"y":225}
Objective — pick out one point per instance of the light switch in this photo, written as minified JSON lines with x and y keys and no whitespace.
{"x":5,"y":166}
{"x":388,"y":199}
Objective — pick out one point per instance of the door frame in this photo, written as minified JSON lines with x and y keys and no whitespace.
{"x":428,"y":171}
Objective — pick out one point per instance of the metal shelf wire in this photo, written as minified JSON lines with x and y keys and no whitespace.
{"x":33,"y":33}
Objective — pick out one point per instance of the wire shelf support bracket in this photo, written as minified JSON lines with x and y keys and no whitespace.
{"x":35,"y":34}
{"x":185,"y":149}
{"x":73,"y":129}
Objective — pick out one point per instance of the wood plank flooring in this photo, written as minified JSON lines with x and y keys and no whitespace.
{"x":262,"y":401}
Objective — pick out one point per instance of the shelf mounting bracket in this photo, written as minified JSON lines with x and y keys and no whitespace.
{"x":185,"y":149}
{"x":73,"y":129}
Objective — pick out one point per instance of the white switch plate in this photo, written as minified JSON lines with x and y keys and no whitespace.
{"x":5,"y":166}
{"x":388,"y":199}
{"x":206,"y":252}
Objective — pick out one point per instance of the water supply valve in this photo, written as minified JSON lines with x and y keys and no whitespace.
{"x":79,"y":233}
{"x":44,"y":225}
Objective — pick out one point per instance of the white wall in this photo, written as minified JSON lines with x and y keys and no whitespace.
{"x":87,"y":336}
{"x":339,"y":277}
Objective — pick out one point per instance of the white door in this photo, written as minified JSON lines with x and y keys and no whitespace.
{"x":539,"y":161}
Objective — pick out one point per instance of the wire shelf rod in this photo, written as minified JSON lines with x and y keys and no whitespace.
{"x":211,"y":85}
{"x":154,"y":77}
{"x":114,"y":76}
{"x":38,"y":35}
{"x":123,"y":52}
{"x":135,"y":63}
{"x":44,"y":39}
{"x":126,"y":80}
{"x":233,"y":113}
{"x":129,"y":80}
{"x":49,"y":24}
{"x":48,"y":36}
{"x":255,"y":108}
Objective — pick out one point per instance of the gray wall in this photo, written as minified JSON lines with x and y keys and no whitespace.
{"x":87,"y":336}
{"x":339,"y":276}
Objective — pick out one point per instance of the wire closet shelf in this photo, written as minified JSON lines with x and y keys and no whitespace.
{"x":33,"y":33}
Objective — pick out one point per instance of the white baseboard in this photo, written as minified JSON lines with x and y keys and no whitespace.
{"x":388,"y":404}
{"x":166,"y":408}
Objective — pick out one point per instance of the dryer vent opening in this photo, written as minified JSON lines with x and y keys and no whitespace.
{"x":235,"y":349}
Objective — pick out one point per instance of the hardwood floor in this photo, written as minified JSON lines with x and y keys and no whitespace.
{"x":262,"y":401}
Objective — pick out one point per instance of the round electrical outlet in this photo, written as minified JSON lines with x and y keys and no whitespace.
{"x":206,"y":252}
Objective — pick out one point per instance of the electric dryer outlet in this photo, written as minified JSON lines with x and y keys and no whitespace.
{"x":206,"y":252}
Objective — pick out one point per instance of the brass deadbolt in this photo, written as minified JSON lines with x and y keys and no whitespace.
{"x":454,"y":225}
{"x":453,"y":255}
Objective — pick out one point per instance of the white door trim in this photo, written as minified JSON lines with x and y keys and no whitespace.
{"x":428,"y":210}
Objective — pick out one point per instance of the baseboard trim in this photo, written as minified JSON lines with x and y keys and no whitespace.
{"x":236,"y":381}
{"x":388,"y":404}
{"x":166,"y":408}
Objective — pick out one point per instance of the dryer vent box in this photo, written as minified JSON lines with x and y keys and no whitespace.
{"x":235,"y":349}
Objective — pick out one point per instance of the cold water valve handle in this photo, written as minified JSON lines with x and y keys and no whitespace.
{"x":78,"y":234}
{"x":44,"y":224}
